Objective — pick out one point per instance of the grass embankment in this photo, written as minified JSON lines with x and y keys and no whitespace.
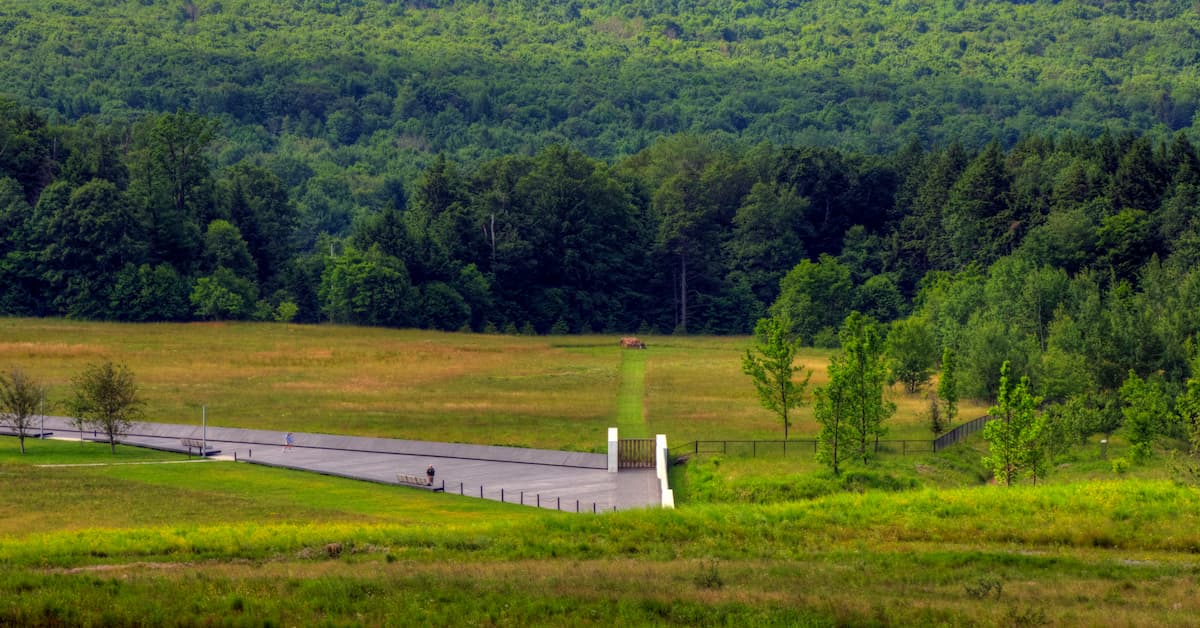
{"x":236,"y":543}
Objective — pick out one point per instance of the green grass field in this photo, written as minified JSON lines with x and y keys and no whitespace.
{"x":213,"y":542}
{"x":140,"y":537}
{"x":423,"y":385}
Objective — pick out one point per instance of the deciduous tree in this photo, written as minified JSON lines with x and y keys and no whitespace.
{"x":831,"y":408}
{"x":866,"y":375}
{"x":1014,"y":433}
{"x":20,"y":395}
{"x":1144,"y":407}
{"x":106,"y":398}
{"x":948,"y":384}
{"x":771,"y":364}
{"x":911,"y":352}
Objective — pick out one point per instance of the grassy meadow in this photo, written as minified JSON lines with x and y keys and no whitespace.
{"x":554,"y":392}
{"x":142,"y":537}
{"x":215,"y":542}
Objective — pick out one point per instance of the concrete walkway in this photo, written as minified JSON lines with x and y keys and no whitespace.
{"x":552,"y":479}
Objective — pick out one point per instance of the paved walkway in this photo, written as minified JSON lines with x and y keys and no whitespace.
{"x":555,"y":479}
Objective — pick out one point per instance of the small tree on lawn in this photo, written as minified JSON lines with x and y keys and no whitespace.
{"x":1013,"y":435}
{"x":936,"y":424}
{"x":865,"y":377}
{"x":831,"y":408}
{"x":1187,"y":408}
{"x":1144,"y":406}
{"x":106,"y":398}
{"x":19,"y":398}
{"x":771,"y":364}
{"x":948,"y":384}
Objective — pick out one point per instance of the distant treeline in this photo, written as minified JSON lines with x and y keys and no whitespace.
{"x":135,"y":222}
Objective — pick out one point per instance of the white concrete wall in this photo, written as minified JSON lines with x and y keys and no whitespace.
{"x":612,"y":449}
{"x":661,"y":462}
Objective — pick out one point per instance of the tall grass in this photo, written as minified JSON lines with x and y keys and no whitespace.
{"x":364,"y":381}
{"x":554,"y":392}
{"x":234,"y":543}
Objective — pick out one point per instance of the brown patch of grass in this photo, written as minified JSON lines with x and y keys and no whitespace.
{"x":28,"y":350}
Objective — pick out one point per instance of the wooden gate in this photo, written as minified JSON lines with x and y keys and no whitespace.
{"x":635,"y":453}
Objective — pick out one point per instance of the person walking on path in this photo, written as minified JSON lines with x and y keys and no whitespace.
{"x":429,"y":474}
{"x":288,"y":441}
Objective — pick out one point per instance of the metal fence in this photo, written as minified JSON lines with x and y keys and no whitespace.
{"x":635,"y":453}
{"x":765,"y":448}
{"x":960,"y":433}
{"x":757,"y":448}
{"x":528,"y":498}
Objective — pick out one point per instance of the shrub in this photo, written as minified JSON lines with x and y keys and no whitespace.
{"x":1120,"y":465}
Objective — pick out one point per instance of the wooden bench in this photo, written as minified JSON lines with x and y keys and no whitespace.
{"x":202,"y":449}
{"x":418,"y":481}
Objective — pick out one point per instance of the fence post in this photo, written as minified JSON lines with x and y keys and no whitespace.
{"x":522,"y":498}
{"x":754,"y":449}
{"x":577,"y":505}
{"x":460,"y":488}
{"x":559,"y":503}
{"x":480,"y":491}
{"x":501,"y":494}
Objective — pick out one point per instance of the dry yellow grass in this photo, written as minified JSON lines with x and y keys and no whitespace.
{"x":398,"y":383}
{"x":531,"y":391}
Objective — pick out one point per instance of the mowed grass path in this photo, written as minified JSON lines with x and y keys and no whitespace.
{"x":631,"y":420}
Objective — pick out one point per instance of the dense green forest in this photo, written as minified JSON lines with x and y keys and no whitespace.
{"x":376,"y":83}
{"x":1012,"y":181}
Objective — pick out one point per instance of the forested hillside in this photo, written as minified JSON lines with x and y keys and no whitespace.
{"x":484,"y":79}
{"x":1018,"y":178}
